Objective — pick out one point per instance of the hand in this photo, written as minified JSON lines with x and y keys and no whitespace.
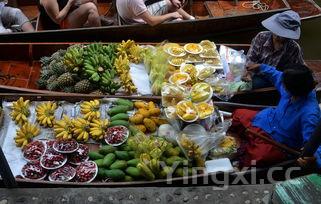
{"x":253,"y":67}
{"x":72,"y":2}
{"x":306,"y":162}
{"x":247,"y":77}
{"x":176,"y":3}
{"x":176,"y":15}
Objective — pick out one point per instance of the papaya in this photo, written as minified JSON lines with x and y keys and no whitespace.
{"x":118,"y":109}
{"x":95,"y":155}
{"x":150,"y":125}
{"x":125,"y":147}
{"x":144,"y":112}
{"x":128,"y":178}
{"x":132,"y":154}
{"x":119,"y":122}
{"x":136,"y":119}
{"x":142,"y":128}
{"x":99,"y":162}
{"x":122,"y":155}
{"x":133,"y":172}
{"x":133,"y":162}
{"x":101,"y":173}
{"x":119,"y":116}
{"x":115,"y":174}
{"x":119,"y":164}
{"x":106,"y":149}
{"x":151,"y":105}
{"x":125,"y":102}
{"x":140,"y":104}
{"x":109,"y":159}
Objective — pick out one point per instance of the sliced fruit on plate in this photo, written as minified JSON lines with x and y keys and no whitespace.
{"x":176,"y":61}
{"x":34,"y":150}
{"x":65,"y":173}
{"x":201,"y":92}
{"x":65,"y":146}
{"x":206,"y":72}
{"x":86,"y":172}
{"x":33,"y":171}
{"x":206,"y":44}
{"x":179,"y":78}
{"x":210,"y":53}
{"x":52,"y":159}
{"x":116,"y":135}
{"x":193,"y":48}
{"x":80,"y":155}
{"x":176,"y":51}
{"x":186,"y":111}
{"x":166,"y":46}
{"x":189,"y":69}
{"x":213,"y":61}
{"x":204,"y":110}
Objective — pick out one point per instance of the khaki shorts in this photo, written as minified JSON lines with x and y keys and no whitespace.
{"x":158,"y":9}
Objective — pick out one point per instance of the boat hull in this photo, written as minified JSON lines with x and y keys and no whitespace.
{"x":244,"y":176}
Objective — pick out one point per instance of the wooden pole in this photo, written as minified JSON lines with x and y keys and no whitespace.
{"x":281,"y":146}
{"x":5,"y":172}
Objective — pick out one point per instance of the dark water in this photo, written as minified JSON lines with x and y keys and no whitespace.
{"x":310,"y":37}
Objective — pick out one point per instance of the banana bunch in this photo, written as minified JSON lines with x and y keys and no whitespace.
{"x":132,"y":50}
{"x":73,"y":58}
{"x":25,"y":134}
{"x":46,"y":114}
{"x":20,"y":111}
{"x":64,"y":128}
{"x":98,"y":128}
{"x":81,"y":129}
{"x":122,"y":68}
{"x":108,"y":84}
{"x":96,"y":65}
{"x":90,"y":109}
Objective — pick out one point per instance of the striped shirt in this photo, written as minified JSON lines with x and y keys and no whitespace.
{"x":262,"y":52}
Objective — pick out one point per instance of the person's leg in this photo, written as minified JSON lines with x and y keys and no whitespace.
{"x":261,"y":153}
{"x":86,"y":14}
{"x":172,"y":8}
{"x":242,"y":119}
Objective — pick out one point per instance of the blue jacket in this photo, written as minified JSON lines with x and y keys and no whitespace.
{"x":290,"y":123}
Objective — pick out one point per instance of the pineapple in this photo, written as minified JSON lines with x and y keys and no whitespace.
{"x":69,"y":89}
{"x":83,"y":86}
{"x":65,"y":79}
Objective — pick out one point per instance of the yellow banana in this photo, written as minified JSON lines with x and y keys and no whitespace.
{"x":45,"y":113}
{"x":20,"y":111}
{"x":25,"y":134}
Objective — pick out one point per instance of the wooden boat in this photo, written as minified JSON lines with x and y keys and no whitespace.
{"x":215,"y":17}
{"x":20,"y":71}
{"x":199,"y":179}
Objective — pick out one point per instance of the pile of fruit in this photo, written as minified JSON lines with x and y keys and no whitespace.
{"x":147,"y":116}
{"x":81,"y":69}
{"x":59,"y":161}
{"x":126,"y":131}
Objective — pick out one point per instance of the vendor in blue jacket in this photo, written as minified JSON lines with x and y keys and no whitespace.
{"x":291,"y":122}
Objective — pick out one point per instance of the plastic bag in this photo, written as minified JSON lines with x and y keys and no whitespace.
{"x":233,"y":62}
{"x":196,"y":142}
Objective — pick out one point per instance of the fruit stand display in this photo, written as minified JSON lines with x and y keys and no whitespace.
{"x":128,"y":68}
{"x":111,"y":139}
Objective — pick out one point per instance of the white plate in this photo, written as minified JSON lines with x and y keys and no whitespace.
{"x":175,"y":65}
{"x":125,"y":139}
{"x":64,"y":152}
{"x":96,"y":172}
{"x":223,"y":165}
{"x":194,"y":53}
{"x":74,"y":174}
{"x":169,"y":51}
{"x":179,"y":82}
{"x":51,"y":168}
